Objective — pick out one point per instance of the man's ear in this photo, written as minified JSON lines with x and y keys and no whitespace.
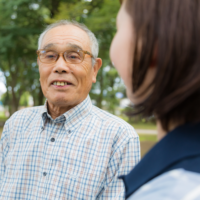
{"x":96,"y":68}
{"x":38,"y":65}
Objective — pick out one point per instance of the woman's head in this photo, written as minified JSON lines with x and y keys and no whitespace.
{"x":159,"y":45}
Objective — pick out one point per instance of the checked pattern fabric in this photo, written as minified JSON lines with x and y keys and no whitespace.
{"x":79,"y":155}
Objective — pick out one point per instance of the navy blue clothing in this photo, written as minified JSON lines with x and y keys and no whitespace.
{"x":180,"y":148}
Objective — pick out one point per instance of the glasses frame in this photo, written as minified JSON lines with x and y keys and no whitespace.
{"x":62,"y":54}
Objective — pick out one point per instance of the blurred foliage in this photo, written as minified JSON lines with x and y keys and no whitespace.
{"x":20,"y":26}
{"x":24,"y":100}
{"x":21,"y":22}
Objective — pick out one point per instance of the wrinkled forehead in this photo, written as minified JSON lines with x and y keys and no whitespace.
{"x":66,"y":35}
{"x":68,"y":46}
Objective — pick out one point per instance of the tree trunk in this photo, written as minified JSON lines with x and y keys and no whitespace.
{"x":54,"y":7}
{"x":15,"y":102}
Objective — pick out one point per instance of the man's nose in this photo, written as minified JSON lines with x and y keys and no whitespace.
{"x":61,"y":66}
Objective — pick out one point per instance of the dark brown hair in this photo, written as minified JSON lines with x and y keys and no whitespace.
{"x":173,"y":28}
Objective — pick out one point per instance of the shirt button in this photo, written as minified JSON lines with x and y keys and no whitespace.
{"x":69,"y":131}
{"x":44,"y":173}
{"x":52,"y":139}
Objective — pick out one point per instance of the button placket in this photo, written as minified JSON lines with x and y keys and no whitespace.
{"x":41,"y":129}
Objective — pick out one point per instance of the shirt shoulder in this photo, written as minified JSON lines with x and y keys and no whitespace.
{"x":172,"y":185}
{"x":110,"y":120}
{"x":22,"y":116}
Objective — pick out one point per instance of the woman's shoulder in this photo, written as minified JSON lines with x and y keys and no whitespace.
{"x":172,"y":185}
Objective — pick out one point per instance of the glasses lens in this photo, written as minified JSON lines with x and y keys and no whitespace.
{"x":74,"y":56}
{"x":48,"y":56}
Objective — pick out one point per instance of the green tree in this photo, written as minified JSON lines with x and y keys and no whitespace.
{"x":20,"y":25}
{"x":19,"y":28}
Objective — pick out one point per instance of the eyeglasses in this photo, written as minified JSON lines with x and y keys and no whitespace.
{"x":70,"y":56}
{"x":120,"y":1}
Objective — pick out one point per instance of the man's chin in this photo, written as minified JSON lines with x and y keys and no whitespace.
{"x":60,"y":102}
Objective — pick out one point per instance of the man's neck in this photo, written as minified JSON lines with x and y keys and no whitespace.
{"x":57,"y":110}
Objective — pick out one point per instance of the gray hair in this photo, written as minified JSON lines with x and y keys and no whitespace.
{"x":94,"y":43}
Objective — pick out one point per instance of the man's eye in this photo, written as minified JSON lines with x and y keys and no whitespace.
{"x":73,"y":56}
{"x":49,"y":55}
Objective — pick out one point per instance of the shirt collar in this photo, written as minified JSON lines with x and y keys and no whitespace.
{"x":72,"y":116}
{"x":75,"y":115}
{"x":43,"y":113}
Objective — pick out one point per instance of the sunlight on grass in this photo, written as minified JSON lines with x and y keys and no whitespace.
{"x":2,"y":114}
{"x":147,"y":142}
{"x":140,"y":124}
{"x":144,"y":137}
{"x":148,"y":126}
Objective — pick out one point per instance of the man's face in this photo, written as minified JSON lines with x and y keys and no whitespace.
{"x":77,"y":78}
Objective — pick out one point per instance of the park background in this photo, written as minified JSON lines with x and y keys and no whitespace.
{"x":21,"y":22}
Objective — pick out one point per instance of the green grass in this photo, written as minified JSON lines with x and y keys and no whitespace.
{"x":2,"y":115}
{"x":149,"y":126}
{"x":142,"y":124}
{"x":3,"y":118}
{"x":144,"y":137}
{"x":146,"y":143}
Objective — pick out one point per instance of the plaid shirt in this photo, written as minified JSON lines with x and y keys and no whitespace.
{"x":79,"y":155}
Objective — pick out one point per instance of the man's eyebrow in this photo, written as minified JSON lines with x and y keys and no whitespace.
{"x":75,"y":46}
{"x":48,"y":46}
{"x":71,"y":45}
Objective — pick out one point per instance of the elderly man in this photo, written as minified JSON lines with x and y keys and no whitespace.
{"x":68,"y":148}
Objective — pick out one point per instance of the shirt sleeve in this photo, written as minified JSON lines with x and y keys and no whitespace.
{"x":123,"y":159}
{"x":173,"y":185}
{"x":4,"y":148}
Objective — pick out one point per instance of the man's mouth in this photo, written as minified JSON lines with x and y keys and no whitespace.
{"x":61,"y":83}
